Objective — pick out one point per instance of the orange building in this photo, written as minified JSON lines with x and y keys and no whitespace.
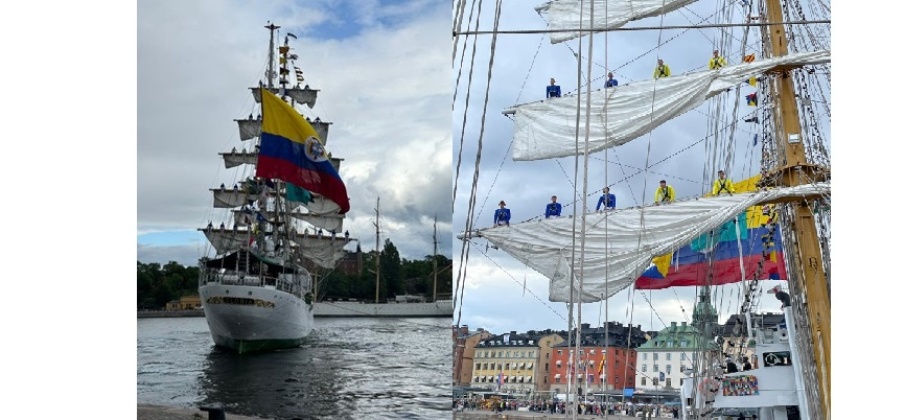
{"x":599,"y":361}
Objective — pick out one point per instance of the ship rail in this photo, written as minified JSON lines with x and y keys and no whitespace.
{"x":240,"y":279}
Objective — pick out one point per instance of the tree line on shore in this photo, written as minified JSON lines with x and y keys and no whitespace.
{"x":158,"y":284}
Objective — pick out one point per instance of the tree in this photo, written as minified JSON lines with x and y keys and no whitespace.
{"x":390,"y":270}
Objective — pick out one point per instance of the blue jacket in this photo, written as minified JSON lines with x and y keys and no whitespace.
{"x":502,"y":215}
{"x":611,"y":201}
{"x":553,"y":209}
{"x":553,"y":91}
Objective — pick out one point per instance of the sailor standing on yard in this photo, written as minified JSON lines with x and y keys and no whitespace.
{"x":553,"y":91}
{"x":502,"y":215}
{"x":607,"y":201}
{"x":722,"y":184}
{"x":664,"y":194}
{"x":717,"y":61}
{"x":662,"y":70}
{"x":553,"y":209}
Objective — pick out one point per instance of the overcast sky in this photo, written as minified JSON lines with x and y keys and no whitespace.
{"x":494,"y":296}
{"x":383,"y":71}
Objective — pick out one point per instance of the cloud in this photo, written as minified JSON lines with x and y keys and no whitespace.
{"x":383,"y":72}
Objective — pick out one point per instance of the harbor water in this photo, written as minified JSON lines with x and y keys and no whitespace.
{"x":351,"y":368}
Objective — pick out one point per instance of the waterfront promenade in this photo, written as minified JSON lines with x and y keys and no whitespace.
{"x":529,"y":415}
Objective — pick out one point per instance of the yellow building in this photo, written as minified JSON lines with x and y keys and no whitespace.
{"x":184,"y":303}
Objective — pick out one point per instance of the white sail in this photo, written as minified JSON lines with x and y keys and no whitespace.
{"x":567,"y":14}
{"x":546,"y":129}
{"x":226,"y":240}
{"x":329,"y":222}
{"x":239,"y":158}
{"x":320,"y":206}
{"x":249,"y":128}
{"x":620,"y":245}
{"x":252,"y":128}
{"x":322,"y":250}
{"x":225,"y":198}
{"x":303,"y":96}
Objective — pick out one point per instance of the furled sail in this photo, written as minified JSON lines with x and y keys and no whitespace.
{"x":233,"y":159}
{"x":619,"y":245}
{"x":322,"y":250}
{"x":226,"y":240}
{"x":226,"y":198}
{"x":252,"y":128}
{"x":546,"y":129}
{"x":303,"y":96}
{"x":320,"y":205}
{"x":567,"y":14}
{"x":330,"y":222}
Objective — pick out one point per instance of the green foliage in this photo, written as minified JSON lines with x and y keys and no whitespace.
{"x":157,"y":285}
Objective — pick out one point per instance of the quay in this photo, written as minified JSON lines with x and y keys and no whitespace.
{"x":529,"y":415}
{"x":158,"y":412}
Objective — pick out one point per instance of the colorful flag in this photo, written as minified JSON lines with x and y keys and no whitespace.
{"x":748,"y":58}
{"x":751,"y":99}
{"x":690,"y":265}
{"x":752,"y":81}
{"x":294,"y":193}
{"x":292,"y":152}
{"x":500,"y":379}
{"x":600,"y":369}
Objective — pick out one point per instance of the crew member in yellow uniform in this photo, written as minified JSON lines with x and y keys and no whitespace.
{"x":664,"y":194}
{"x":722,"y":185}
{"x":662,"y":70}
{"x":717,"y":61}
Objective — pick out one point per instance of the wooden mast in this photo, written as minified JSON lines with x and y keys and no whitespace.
{"x":794,"y":169}
{"x":377,"y":225}
{"x":434,"y":258}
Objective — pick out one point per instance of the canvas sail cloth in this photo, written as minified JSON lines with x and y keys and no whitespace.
{"x":567,"y":14}
{"x":616,"y":256}
{"x":546,"y":129}
{"x":717,"y":258}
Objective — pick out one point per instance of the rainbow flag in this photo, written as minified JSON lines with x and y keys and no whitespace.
{"x":291,"y":151}
{"x":690,"y":265}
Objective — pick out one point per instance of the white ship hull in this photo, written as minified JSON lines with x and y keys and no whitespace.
{"x":255,"y":318}
{"x":441,"y":308}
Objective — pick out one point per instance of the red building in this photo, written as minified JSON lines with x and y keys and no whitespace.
{"x":598,"y":361}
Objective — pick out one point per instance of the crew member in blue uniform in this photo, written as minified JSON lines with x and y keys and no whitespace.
{"x":553,"y":91}
{"x":553,"y":209}
{"x":607,"y":201}
{"x":502,"y":215}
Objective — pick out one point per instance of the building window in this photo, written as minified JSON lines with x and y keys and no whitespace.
{"x":478,"y":366}
{"x":517,"y":354}
{"x":654,"y":356}
{"x":667,"y":382}
{"x":667,"y":369}
{"x":643,"y":381}
{"x":501,"y":354}
{"x":667,"y":356}
{"x":644,"y":367}
{"x":655,"y":368}
{"x":681,"y":382}
{"x":559,"y":352}
{"x":655,"y":381}
{"x":558,"y":380}
{"x":644,"y":356}
{"x":546,"y":366}
{"x":683,"y":356}
{"x":670,"y":343}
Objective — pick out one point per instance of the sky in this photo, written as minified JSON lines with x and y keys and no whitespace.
{"x":383,"y":71}
{"x":70,"y":256}
{"x":494,"y":296}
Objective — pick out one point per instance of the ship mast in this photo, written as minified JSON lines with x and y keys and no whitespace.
{"x":793,"y":170}
{"x":377,"y":226}
{"x":434,"y":259}
{"x":269,"y":73}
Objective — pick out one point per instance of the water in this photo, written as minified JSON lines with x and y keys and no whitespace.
{"x":352,"y":368}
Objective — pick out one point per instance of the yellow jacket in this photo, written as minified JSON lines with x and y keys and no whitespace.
{"x":662,"y":71}
{"x":665,"y":196}
{"x":722,"y":185}
{"x":715,"y":63}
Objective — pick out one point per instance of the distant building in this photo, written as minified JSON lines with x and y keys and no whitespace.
{"x":512,"y":357}
{"x":542,"y":371}
{"x":464,"y":348}
{"x":606,"y":359}
{"x":663,"y":358}
{"x":184,"y":303}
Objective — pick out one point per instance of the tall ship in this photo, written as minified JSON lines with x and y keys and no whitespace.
{"x":282,"y":220}
{"x":774,"y":224}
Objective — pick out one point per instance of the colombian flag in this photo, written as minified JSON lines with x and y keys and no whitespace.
{"x":291,"y":151}
{"x":690,"y":265}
